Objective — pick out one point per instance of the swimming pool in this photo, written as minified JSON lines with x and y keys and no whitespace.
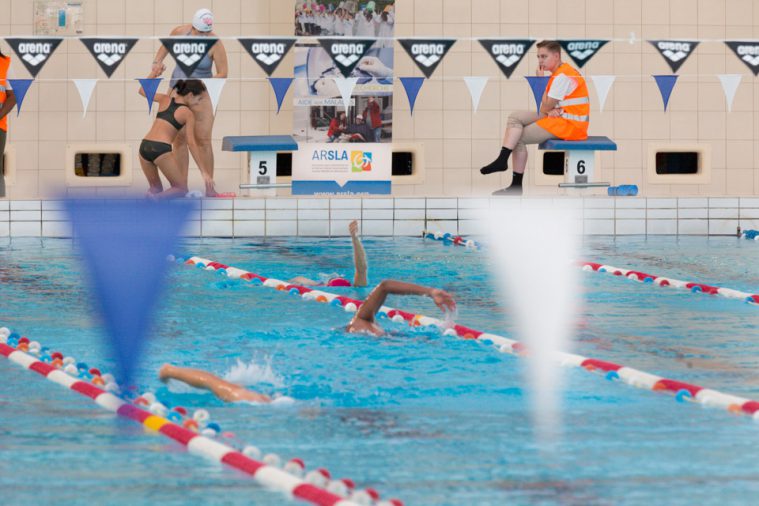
{"x":419,"y":416}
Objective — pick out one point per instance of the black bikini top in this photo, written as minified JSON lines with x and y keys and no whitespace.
{"x":168,"y":114}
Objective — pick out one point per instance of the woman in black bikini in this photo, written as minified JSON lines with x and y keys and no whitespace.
{"x":175,"y":111}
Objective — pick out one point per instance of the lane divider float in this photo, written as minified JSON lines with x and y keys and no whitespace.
{"x":196,"y":431}
{"x":751,"y":235}
{"x":682,"y":391}
{"x":447,"y":238}
{"x":692,"y":286}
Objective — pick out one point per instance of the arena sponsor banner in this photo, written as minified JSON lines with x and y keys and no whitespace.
{"x":34,"y":52}
{"x":188,"y":51}
{"x":427,"y":53}
{"x":267,"y":52}
{"x":581,"y":51}
{"x":330,"y":169}
{"x":507,"y":53}
{"x":346,"y":53}
{"x":674,"y":52}
{"x":109,"y":52}
{"x":747,"y":51}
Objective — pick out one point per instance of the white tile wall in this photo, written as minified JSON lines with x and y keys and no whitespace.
{"x":252,"y":217}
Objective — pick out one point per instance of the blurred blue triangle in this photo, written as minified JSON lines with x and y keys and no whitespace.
{"x":20,"y":87}
{"x":150,"y":86}
{"x":280,"y":86}
{"x":538,"y":84}
{"x":124,"y":245}
{"x":665,"y":84}
{"x":412,"y":85}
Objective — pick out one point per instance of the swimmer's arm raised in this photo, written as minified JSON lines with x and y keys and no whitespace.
{"x":359,"y":256}
{"x":376,"y":299}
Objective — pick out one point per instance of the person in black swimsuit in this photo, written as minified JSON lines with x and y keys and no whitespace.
{"x":175,"y":110}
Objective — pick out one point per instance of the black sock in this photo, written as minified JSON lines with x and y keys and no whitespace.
{"x":500,"y":164}
{"x":517,"y":180}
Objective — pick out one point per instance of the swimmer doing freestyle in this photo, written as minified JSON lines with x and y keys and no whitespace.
{"x":224,"y":390}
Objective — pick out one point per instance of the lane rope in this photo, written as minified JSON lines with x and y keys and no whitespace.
{"x":195,"y":432}
{"x":692,"y":286}
{"x":682,"y":391}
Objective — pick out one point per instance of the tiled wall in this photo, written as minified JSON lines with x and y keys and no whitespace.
{"x":456,"y":140}
{"x":410,"y":216}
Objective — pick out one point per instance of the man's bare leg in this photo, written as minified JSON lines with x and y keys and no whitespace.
{"x":201,"y":143}
{"x":197,"y":378}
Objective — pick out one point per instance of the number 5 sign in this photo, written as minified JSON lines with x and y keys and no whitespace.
{"x":263,"y":171}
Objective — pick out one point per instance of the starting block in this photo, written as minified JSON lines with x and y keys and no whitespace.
{"x":580,"y":159}
{"x":262,"y":157}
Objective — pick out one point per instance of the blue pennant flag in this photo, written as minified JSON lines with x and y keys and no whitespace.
{"x":280,"y":86}
{"x":20,"y":87}
{"x":665,"y":84}
{"x":412,"y":85}
{"x":124,"y":245}
{"x":538,"y":85}
{"x":150,"y":86}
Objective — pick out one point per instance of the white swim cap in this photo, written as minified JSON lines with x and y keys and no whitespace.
{"x":202,"y":21}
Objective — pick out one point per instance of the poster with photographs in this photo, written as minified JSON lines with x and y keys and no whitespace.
{"x":319,"y":111}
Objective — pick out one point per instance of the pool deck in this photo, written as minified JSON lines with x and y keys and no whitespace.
{"x":329,"y":217}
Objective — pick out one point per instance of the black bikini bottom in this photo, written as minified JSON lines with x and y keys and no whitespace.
{"x":150,"y":150}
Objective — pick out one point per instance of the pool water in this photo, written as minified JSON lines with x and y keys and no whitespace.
{"x":429,"y":419}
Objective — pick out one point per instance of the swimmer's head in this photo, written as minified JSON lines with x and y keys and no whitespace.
{"x":191,"y":90}
{"x":202,"y":21}
{"x":338,"y":282}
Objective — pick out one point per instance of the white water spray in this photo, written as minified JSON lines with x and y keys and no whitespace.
{"x":533,"y":253}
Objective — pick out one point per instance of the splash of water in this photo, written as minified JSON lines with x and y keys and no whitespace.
{"x":253,"y":372}
{"x":532,"y":254}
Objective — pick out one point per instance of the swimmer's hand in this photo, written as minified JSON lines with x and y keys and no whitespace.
{"x":353,"y":228}
{"x":443,"y":300}
{"x":157,"y":69}
{"x":375,"y":67}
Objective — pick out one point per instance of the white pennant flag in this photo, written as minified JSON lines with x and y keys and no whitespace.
{"x":346,"y":85}
{"x":214,"y":86}
{"x":603,"y":85}
{"x":85,"y":88}
{"x":476,"y":85}
{"x":730,"y":83}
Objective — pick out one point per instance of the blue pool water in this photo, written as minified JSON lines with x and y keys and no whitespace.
{"x":432,"y":420}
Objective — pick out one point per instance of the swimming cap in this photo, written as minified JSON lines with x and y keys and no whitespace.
{"x":338,"y":282}
{"x":202,"y":21}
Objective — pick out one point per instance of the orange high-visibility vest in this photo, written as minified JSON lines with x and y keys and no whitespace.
{"x":573,"y":123}
{"x":5,"y":63}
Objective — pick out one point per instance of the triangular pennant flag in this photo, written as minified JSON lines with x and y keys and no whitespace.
{"x":346,"y":52}
{"x":280,"y":86}
{"x":603,"y":85}
{"x":85,"y":87}
{"x":538,"y":84}
{"x":412,"y":85}
{"x":20,"y":87}
{"x":730,"y":83}
{"x":188,"y":52}
{"x":665,"y":84}
{"x":109,"y":52}
{"x":346,"y":85}
{"x":748,"y":52}
{"x":214,"y":87}
{"x":35,"y":52}
{"x":427,"y":53}
{"x":267,"y":52}
{"x":150,"y":86}
{"x":507,"y":53}
{"x":674,"y":52}
{"x":581,"y":51}
{"x":476,"y":85}
{"x":124,"y":245}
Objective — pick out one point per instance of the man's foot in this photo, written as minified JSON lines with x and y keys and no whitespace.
{"x":511,"y":191}
{"x":500,"y":164}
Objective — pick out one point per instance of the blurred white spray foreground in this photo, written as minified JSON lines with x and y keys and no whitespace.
{"x":533,"y":254}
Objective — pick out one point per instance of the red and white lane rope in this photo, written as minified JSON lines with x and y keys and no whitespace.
{"x":692,"y":286}
{"x":640,"y":379}
{"x":315,"y":487}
